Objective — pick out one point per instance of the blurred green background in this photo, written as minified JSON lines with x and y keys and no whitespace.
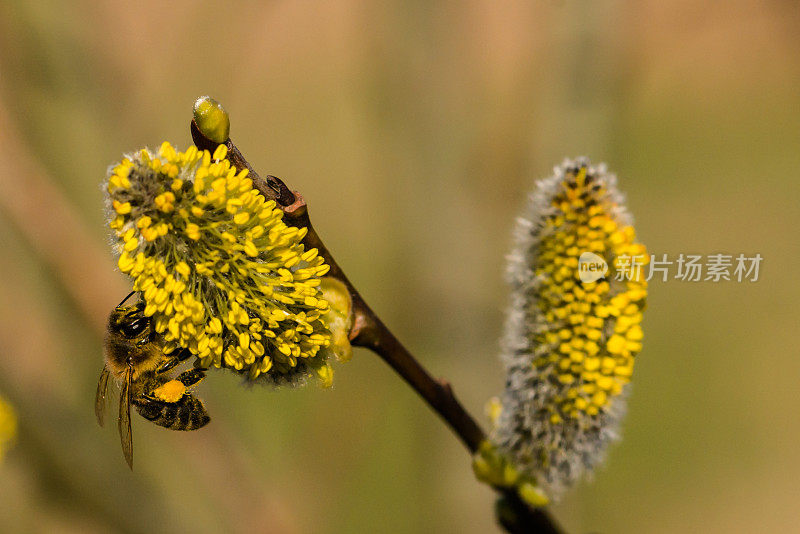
{"x":414,"y":130}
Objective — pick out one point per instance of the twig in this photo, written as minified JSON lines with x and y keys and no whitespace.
{"x":371,"y":333}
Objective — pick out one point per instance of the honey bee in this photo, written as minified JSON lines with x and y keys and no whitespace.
{"x":135,"y":359}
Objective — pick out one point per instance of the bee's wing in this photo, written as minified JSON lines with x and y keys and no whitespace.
{"x":124,"y":422}
{"x":100,"y":396}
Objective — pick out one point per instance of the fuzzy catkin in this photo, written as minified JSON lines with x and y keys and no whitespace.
{"x":219,"y":271}
{"x":569,"y":344}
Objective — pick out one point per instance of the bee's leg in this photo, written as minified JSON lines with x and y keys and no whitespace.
{"x":173,"y":390}
{"x":170,"y":391}
{"x":191,"y":377}
{"x":174,"y":359}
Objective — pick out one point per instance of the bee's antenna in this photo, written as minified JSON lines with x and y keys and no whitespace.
{"x":126,"y":298}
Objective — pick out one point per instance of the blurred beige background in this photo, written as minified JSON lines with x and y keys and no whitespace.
{"x":414,"y":131}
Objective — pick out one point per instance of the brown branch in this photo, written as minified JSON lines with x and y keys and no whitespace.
{"x":371,"y":333}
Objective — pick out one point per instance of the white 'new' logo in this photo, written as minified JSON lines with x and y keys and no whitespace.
{"x":591,"y":267}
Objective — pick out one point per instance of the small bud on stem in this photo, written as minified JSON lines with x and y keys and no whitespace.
{"x":212,"y":119}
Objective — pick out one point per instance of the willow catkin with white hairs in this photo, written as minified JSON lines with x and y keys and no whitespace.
{"x":572,"y":329}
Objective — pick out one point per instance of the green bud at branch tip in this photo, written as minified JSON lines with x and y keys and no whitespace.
{"x":212,"y":120}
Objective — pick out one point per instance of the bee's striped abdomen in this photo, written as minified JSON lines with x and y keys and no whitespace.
{"x":186,"y":414}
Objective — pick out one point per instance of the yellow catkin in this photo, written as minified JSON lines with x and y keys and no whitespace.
{"x":220,"y":272}
{"x":8,"y":427}
{"x":574,"y":329}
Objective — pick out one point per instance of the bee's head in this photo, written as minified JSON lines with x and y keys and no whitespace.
{"x":130,"y":323}
{"x":130,"y":343}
